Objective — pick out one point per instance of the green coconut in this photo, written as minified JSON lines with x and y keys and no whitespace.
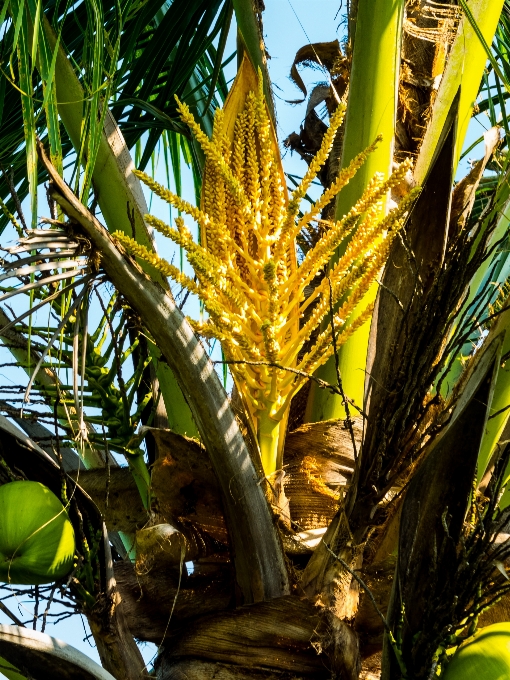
{"x":36,"y":537}
{"x":485,"y":656}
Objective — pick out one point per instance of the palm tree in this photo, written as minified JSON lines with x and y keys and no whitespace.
{"x":348,"y":500}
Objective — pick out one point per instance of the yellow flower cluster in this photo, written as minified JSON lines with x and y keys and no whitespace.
{"x":246,"y":269}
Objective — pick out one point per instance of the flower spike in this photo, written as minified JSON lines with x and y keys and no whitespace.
{"x":246,"y":271}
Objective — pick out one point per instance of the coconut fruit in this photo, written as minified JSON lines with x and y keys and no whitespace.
{"x":36,"y":537}
{"x":485,"y":656}
{"x":158,"y":543}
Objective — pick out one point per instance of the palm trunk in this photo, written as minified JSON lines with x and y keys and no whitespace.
{"x":285,"y":637}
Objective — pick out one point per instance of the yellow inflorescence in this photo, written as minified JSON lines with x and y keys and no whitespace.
{"x":245,"y":267}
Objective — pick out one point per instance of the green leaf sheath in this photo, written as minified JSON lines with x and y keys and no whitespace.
{"x":371,"y":111}
{"x":464,"y":69}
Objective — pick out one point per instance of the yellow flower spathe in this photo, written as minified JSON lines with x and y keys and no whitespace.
{"x":246,"y":270}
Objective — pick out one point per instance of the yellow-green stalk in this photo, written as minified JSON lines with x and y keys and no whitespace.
{"x":371,"y":111}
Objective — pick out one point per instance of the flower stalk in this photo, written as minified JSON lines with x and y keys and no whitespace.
{"x":246,"y":267}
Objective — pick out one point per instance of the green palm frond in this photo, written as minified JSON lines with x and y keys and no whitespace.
{"x":128,"y":57}
{"x":132,"y":56}
{"x":97,"y":371}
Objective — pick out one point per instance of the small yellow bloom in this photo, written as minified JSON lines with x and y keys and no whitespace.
{"x":246,"y":267}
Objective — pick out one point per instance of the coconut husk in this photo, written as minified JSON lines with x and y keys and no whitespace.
{"x":318,"y":463}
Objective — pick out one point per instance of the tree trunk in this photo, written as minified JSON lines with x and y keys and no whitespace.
{"x":193,"y":616}
{"x":285,"y":638}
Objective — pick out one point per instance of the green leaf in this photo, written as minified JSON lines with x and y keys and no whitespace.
{"x":485,"y":46}
{"x":371,"y":111}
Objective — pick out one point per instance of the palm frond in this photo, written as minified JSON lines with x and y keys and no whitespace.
{"x":134,"y":57}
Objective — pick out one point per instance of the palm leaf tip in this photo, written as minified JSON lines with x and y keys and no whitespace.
{"x":246,"y":268}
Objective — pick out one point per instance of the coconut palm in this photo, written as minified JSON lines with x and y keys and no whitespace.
{"x":346,"y":505}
